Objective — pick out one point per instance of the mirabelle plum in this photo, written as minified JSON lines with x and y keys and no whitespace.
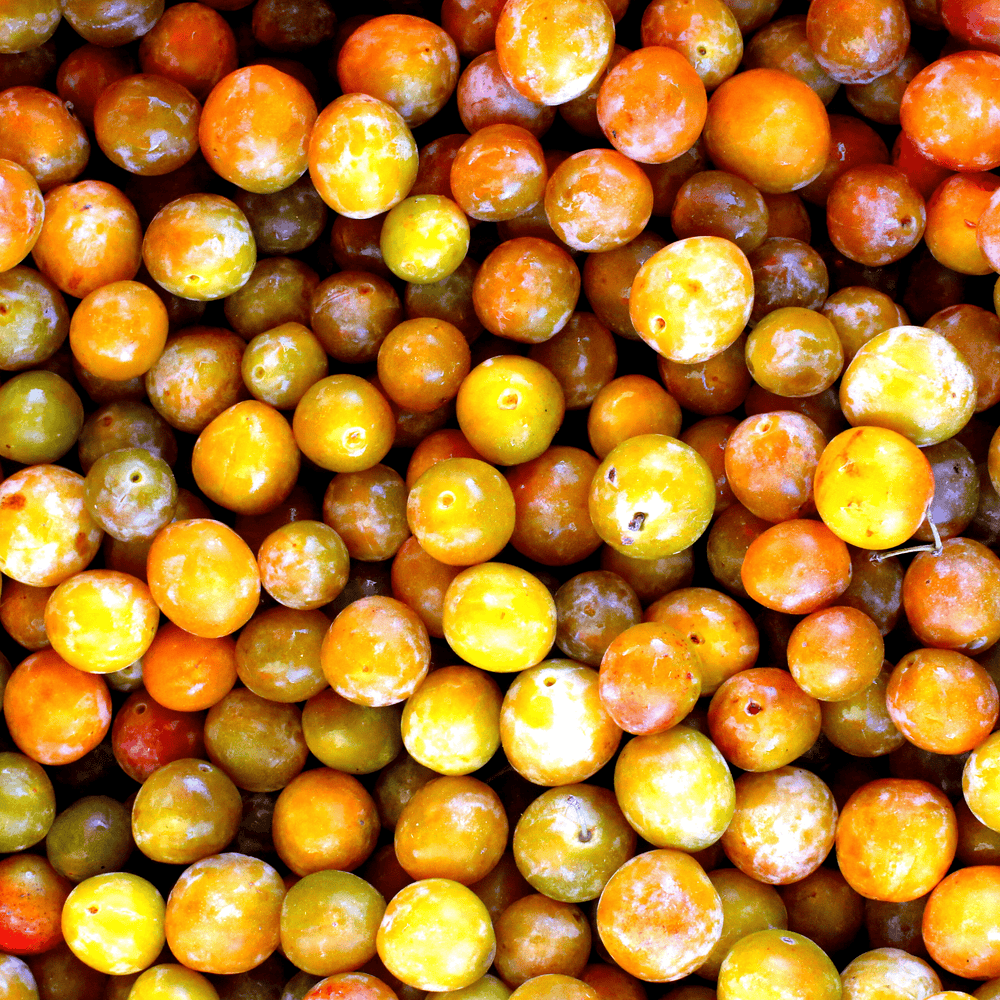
{"x":758,"y":111}
{"x":959,"y":134}
{"x":958,"y":922}
{"x":872,"y":487}
{"x":861,"y":725}
{"x":89,"y":69}
{"x":147,"y":735}
{"x":875,"y":969}
{"x":910,"y":380}
{"x":32,"y":895}
{"x":783,"y":825}
{"x":29,"y":24}
{"x":255,"y":128}
{"x":652,"y":105}
{"x":486,"y":97}
{"x":782,"y":44}
{"x":42,"y":135}
{"x":406,"y":61}
{"x":349,"y":986}
{"x":188,"y":673}
{"x":659,"y":916}
{"x":692,"y":299}
{"x":553,"y":726}
{"x":21,"y":212}
{"x":46,"y":532}
{"x":362,"y":156}
{"x":747,"y":906}
{"x":675,"y":789}
{"x":328,"y":922}
{"x":608,"y":276}
{"x":526,"y":289}
{"x":794,"y":352}
{"x":186,"y":810}
{"x":538,"y":936}
{"x":858,"y":42}
{"x":349,"y":737}
{"x":453,"y":827}
{"x":979,"y":784}
{"x":200,"y":246}
{"x":949,"y":238}
{"x":119,"y":330}
{"x":770,"y":460}
{"x":303,"y":565}
{"x":168,"y":977}
{"x":896,"y":839}
{"x":424,"y":238}
{"x":203,"y":577}
{"x":29,"y":800}
{"x":835,"y":653}
{"x":976,"y":334}
{"x":147,"y":124}
{"x":650,"y":678}
{"x":376,"y":652}
{"x":324,"y":819}
{"x":499,"y":173}
{"x":571,"y":840}
{"x":553,"y":50}
{"x":101,"y":620}
{"x":420,"y":580}
{"x":774,"y":964}
{"x":551,"y":523}
{"x":942,"y":701}
{"x":509,"y":408}
{"x":761,"y":719}
{"x":55,"y":713}
{"x":422,"y":362}
{"x":652,"y":496}
{"x":451,"y":723}
{"x":344,"y":424}
{"x":555,"y":986}
{"x":797,"y":567}
{"x":715,"y":626}
{"x":707,"y":34}
{"x":597,"y":200}
{"x":91,"y":236}
{"x":193,"y":45}
{"x":629,"y":406}
{"x":223,"y":914}
{"x":115,"y":922}
{"x":949,"y":596}
{"x":436,"y":934}
{"x":246,"y":459}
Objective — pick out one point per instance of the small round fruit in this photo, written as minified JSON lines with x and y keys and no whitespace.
{"x":424,"y":238}
{"x":692,"y":299}
{"x":499,"y":617}
{"x":115,"y":923}
{"x":652,"y":496}
{"x":872,"y":487}
{"x":203,"y":577}
{"x":659,"y":916}
{"x":436,"y":935}
{"x":773,"y":964}
{"x":200,"y":247}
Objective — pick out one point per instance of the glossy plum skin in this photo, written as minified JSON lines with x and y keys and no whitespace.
{"x":604,"y":346}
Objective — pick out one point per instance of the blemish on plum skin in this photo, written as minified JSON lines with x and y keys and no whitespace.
{"x":753,"y":708}
{"x":15,"y":501}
